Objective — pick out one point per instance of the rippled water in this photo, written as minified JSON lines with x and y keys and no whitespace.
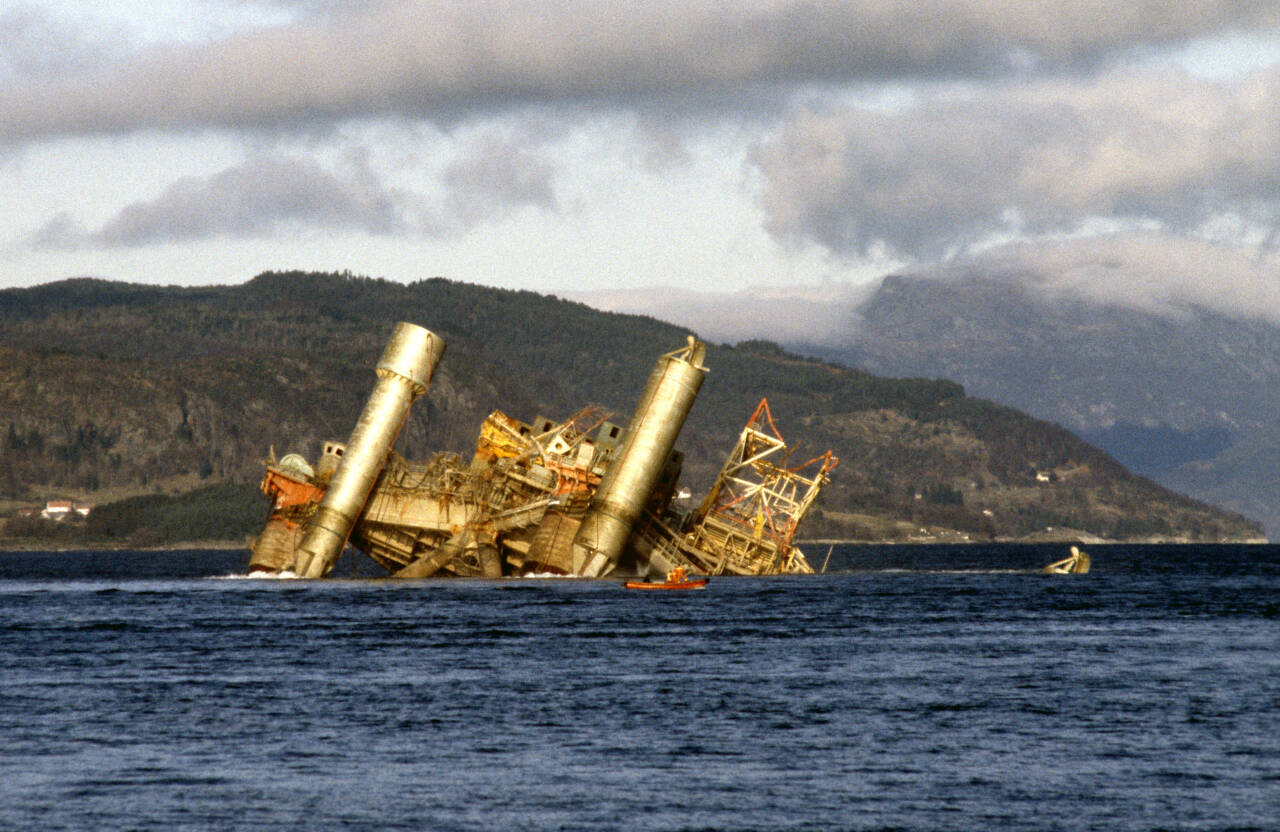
{"x":920,"y":689}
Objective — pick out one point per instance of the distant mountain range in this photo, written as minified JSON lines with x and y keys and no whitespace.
{"x":110,"y":389}
{"x":1187,"y":397}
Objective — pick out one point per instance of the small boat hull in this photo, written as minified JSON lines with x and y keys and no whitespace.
{"x":692,"y":583}
{"x":1077,"y":564}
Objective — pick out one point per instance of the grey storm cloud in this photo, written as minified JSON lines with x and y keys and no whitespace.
{"x":1031,"y":158}
{"x":267,"y":195}
{"x":436,"y":58}
{"x":495,"y":175}
{"x":254,"y":199}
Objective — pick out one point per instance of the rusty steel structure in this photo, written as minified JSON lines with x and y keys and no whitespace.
{"x":583,"y":497}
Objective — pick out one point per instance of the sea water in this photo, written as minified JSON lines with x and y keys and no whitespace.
{"x":908,"y":689}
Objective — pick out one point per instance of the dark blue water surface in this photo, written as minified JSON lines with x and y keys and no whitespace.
{"x":915,"y":688}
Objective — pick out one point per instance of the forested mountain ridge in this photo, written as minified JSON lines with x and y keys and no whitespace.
{"x":111,"y":389}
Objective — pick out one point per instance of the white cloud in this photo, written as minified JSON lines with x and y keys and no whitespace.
{"x":812,"y":314}
{"x":1158,"y":273}
{"x":966,"y":162}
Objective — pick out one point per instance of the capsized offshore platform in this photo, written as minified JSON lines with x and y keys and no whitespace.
{"x":583,"y":497}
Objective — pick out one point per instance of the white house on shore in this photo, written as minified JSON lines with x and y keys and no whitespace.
{"x":59,"y":510}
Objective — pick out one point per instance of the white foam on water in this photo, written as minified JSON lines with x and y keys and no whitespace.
{"x":257,"y":576}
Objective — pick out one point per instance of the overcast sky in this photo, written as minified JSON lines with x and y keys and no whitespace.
{"x":763,"y":149}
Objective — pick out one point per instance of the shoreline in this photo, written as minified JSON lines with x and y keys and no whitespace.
{"x":229,"y":546}
{"x":1041,"y":541}
{"x":210,"y":545}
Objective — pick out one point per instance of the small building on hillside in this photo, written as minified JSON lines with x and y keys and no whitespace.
{"x":59,"y":510}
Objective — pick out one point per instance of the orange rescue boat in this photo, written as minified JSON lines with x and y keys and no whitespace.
{"x":676,"y":579}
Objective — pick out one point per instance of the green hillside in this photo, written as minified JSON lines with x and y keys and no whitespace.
{"x":112,"y":390}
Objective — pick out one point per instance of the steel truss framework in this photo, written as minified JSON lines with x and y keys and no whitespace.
{"x":751,"y":513}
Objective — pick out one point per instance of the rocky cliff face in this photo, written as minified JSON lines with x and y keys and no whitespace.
{"x":108,"y":389}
